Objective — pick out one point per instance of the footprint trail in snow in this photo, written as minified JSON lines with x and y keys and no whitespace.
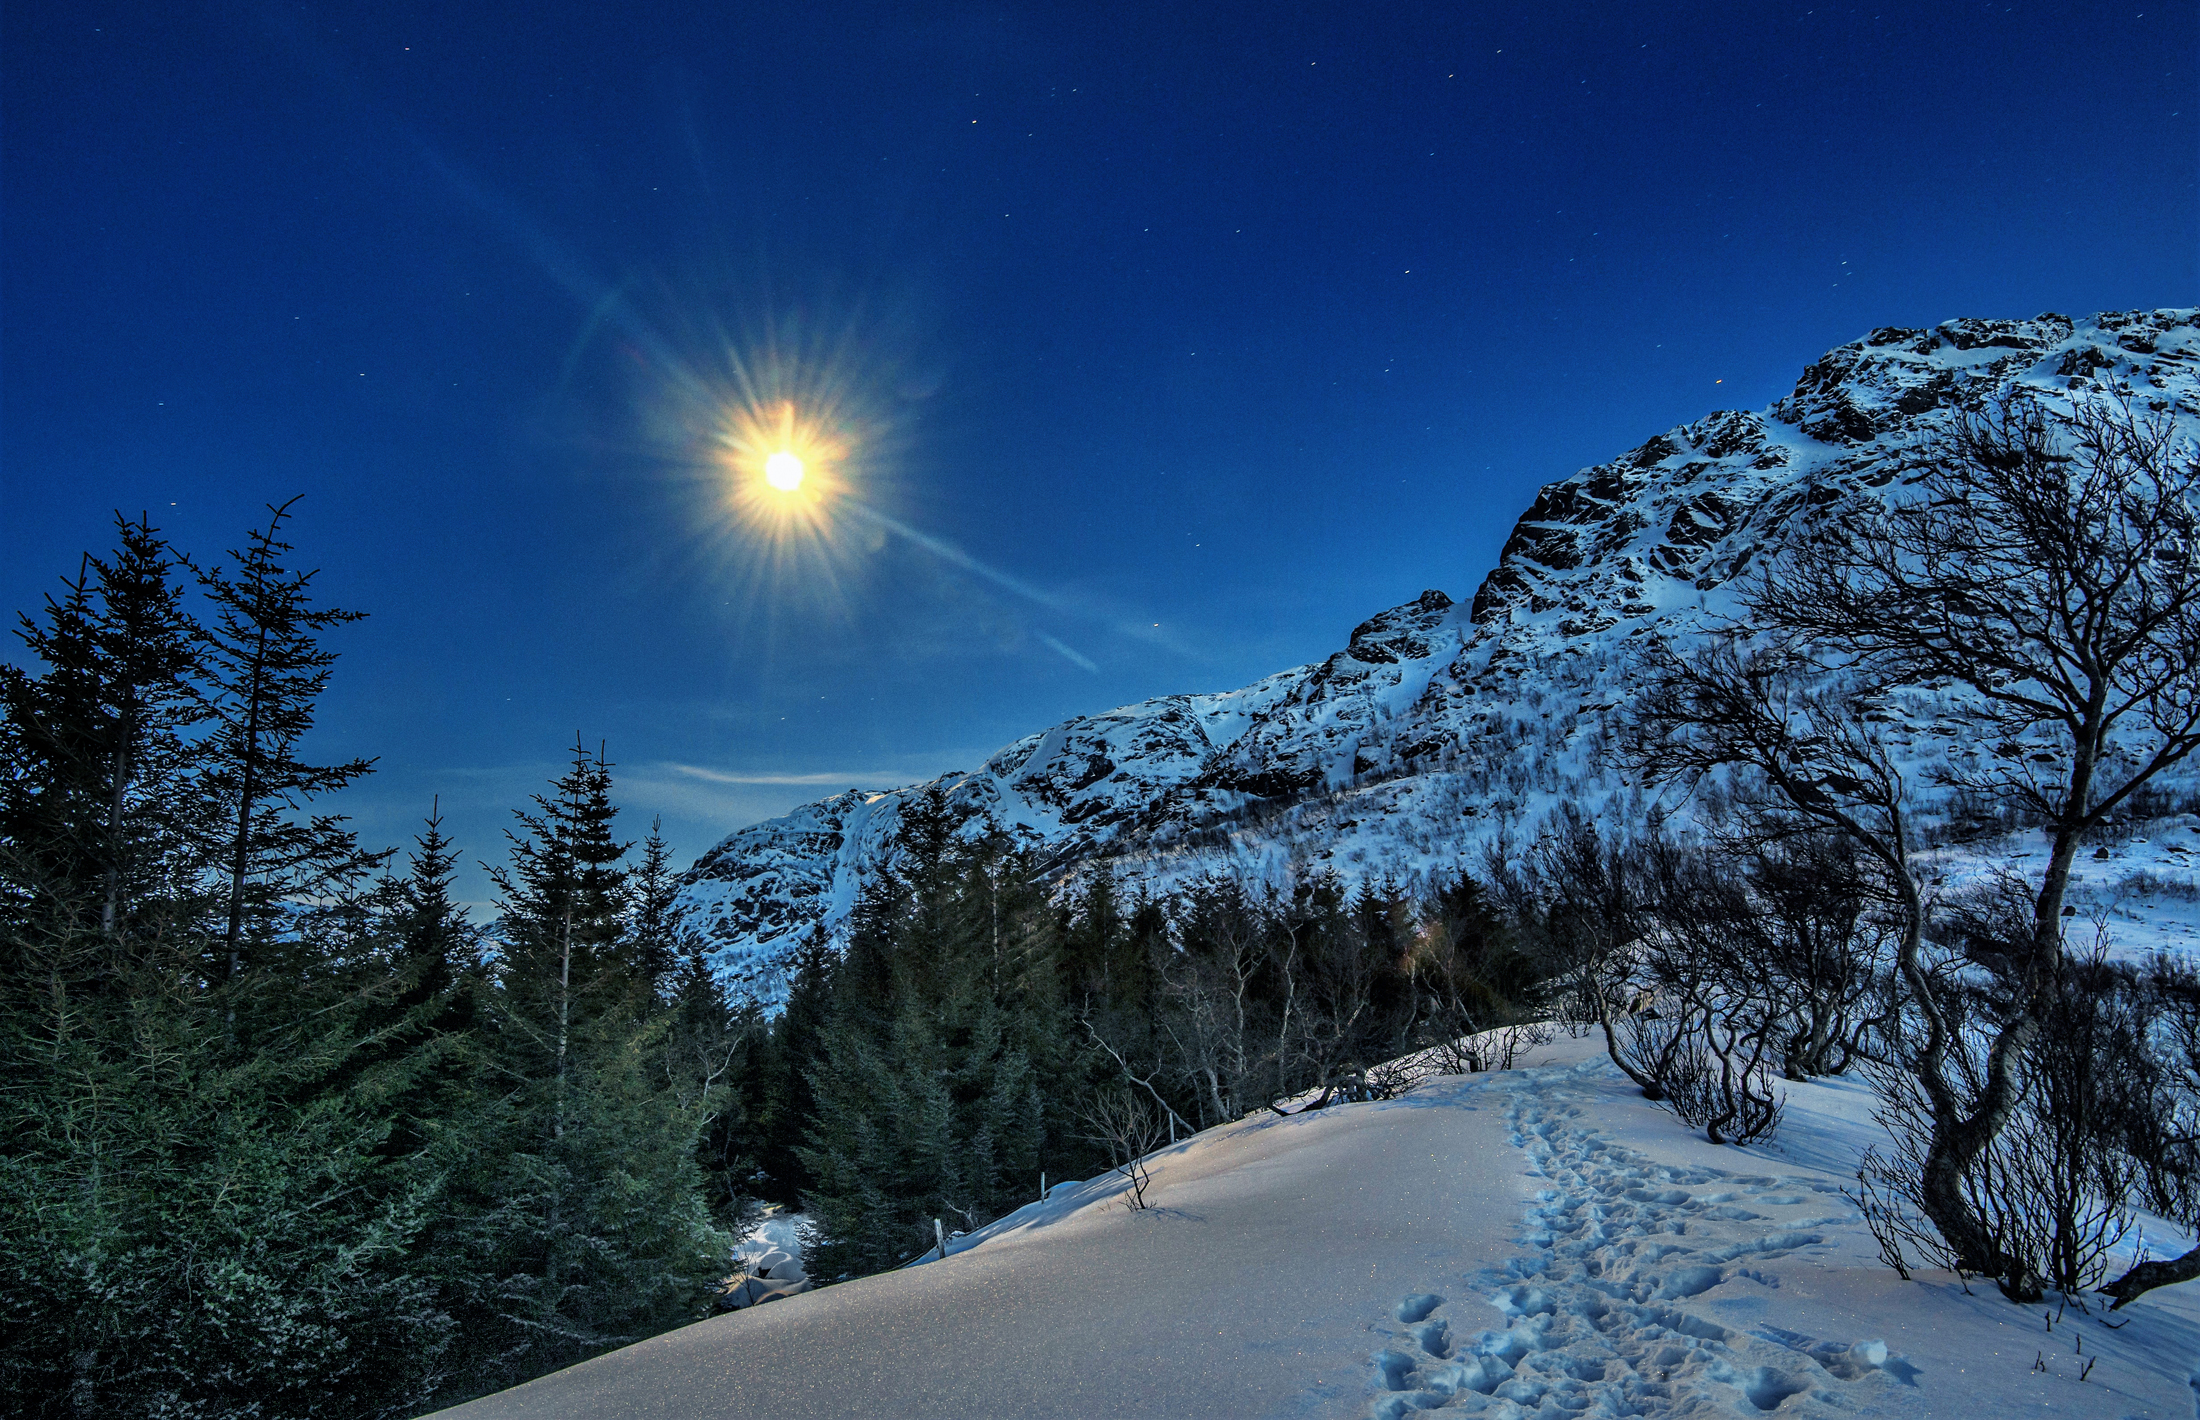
{"x":1598,"y":1325}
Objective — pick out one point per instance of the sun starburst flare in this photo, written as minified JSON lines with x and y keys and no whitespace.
{"x":785,"y":468}
{"x":785,"y":434}
{"x":791,"y":438}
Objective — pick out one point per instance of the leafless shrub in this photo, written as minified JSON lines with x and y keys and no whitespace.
{"x":2053,"y":1191}
{"x":1129,"y":1129}
{"x":1649,"y":1046}
{"x":1582,"y":898}
{"x":1478,"y":1051}
{"x":1393,"y":1078}
{"x":2151,"y":886}
{"x":2159,"y":1122}
{"x":1711,"y":1073}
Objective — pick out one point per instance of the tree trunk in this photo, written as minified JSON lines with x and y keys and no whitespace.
{"x":1651,"y":1089}
{"x":1959,"y":1139}
{"x":565,"y":1016}
{"x":119,"y":770}
{"x":2161,"y":1272}
{"x":247,"y":791}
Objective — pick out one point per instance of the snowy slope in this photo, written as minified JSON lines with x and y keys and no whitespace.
{"x":1141,"y":775}
{"x":1538,"y":1242}
{"x":1437,"y":724}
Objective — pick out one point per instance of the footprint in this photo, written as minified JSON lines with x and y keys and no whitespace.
{"x":1766,"y":1387}
{"x":1614,"y":1246}
{"x":1690,"y":1281}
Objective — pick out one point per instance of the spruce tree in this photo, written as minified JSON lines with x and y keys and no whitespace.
{"x":154,"y":1253}
{"x":436,"y":944}
{"x":367,"y":1186}
{"x":786,"y":1104}
{"x":267,"y":670}
{"x":928,"y":1089}
{"x":564,"y":899}
{"x":591,"y":1226}
{"x":92,"y":808}
{"x":147,"y":641}
{"x":1093,"y":935}
{"x":657,"y":932}
{"x":51,"y":800}
{"x":711,"y":1065}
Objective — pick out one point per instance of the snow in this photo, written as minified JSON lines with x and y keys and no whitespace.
{"x":770,"y":1260}
{"x":1538,"y":1242}
{"x":776,"y":1231}
{"x":1437,"y":727}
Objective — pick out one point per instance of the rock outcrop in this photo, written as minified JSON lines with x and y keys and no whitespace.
{"x":1438,"y":725}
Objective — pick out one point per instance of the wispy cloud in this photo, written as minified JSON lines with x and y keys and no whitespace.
{"x":1067,"y":654}
{"x":719,"y":776}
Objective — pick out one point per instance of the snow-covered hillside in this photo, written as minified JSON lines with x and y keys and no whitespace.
{"x":1437,"y":724}
{"x":1539,"y":1242}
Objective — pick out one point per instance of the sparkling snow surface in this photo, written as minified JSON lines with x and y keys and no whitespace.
{"x":1538,"y":1242}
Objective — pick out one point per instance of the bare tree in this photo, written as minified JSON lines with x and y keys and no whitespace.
{"x":1211,"y":986}
{"x":1821,"y":942}
{"x":2160,"y":1123}
{"x":2044,"y":569}
{"x":1586,"y":899}
{"x":1128,"y":1128}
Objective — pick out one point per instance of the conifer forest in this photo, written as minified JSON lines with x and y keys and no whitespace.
{"x":289,"y":1131}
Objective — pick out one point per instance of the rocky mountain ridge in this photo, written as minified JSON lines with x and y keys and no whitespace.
{"x":1438,"y":725}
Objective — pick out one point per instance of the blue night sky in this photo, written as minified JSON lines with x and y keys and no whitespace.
{"x":1165,"y":342}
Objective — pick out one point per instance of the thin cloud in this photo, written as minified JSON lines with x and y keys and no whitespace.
{"x":719,"y":776}
{"x":1067,"y":654}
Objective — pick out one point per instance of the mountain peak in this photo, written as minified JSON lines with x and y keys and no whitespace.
{"x":1406,"y":749}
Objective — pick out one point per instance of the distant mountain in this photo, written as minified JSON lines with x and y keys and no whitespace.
{"x":1437,"y":725}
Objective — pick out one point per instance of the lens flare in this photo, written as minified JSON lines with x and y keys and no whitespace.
{"x":781,"y":432}
{"x":785,"y":462}
{"x":793,"y":435}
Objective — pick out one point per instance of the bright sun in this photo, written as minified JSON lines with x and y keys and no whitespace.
{"x":783,"y":471}
{"x":784,"y":468}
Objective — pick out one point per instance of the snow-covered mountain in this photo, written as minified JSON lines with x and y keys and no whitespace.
{"x":1438,"y":723}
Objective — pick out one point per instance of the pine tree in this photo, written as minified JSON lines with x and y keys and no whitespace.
{"x":657,"y":931}
{"x":1093,"y":940}
{"x":591,"y":1226}
{"x":786,"y":1103}
{"x":267,"y":670}
{"x":148,"y":642}
{"x":52,"y":794}
{"x":927,"y":1094}
{"x":564,"y":902}
{"x":154,"y":1253}
{"x":436,"y":944}
{"x":367,"y":1186}
{"x":90,"y":803}
{"x":711,"y":1065}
